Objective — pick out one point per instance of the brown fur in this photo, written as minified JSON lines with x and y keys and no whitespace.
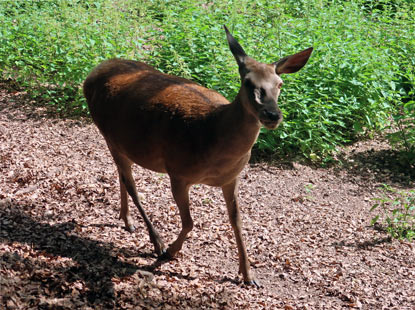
{"x":191,"y":121}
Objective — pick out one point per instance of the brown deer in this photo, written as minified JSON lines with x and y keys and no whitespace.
{"x":172,"y":125}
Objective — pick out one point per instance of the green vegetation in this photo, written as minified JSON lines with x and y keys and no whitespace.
{"x":397,"y":214}
{"x":359,"y":78}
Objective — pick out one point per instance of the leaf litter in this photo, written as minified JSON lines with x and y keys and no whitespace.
{"x":307,"y":229}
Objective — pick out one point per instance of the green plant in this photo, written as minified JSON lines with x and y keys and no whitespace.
{"x":360,"y":74}
{"x":309,"y":190}
{"x":350,"y":86}
{"x":49,"y":47}
{"x":402,"y":135}
{"x":397,"y":213}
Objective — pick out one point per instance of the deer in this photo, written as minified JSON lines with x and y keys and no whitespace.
{"x":175,"y":126}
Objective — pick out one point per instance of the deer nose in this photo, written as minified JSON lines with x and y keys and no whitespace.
{"x":273,"y":115}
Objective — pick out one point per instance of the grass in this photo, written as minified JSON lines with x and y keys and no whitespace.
{"x":360,"y":74}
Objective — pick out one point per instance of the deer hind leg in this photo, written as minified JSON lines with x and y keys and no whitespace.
{"x":127,"y":185}
{"x":230,"y":194}
{"x":180,"y":192}
{"x":125,"y":209}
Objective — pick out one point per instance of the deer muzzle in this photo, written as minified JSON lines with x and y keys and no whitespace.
{"x":270,"y":118}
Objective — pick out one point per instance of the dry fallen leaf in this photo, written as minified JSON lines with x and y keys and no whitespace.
{"x":62,"y":245}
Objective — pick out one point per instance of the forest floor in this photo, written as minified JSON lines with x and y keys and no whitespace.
{"x":307,"y":229}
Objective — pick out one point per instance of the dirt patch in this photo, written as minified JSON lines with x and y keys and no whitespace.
{"x":307,"y":229}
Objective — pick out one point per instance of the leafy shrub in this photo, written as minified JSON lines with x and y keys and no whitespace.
{"x":50,"y":46}
{"x":350,"y":86}
{"x":402,"y":130}
{"x":397,"y":213}
{"x":359,"y":75}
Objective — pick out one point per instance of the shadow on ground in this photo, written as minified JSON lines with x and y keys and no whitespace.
{"x":368,"y":244}
{"x":383,"y":166}
{"x":93,"y":263}
{"x":50,"y":267}
{"x":36,"y":109}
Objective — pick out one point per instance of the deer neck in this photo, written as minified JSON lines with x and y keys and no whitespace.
{"x":239,"y":127}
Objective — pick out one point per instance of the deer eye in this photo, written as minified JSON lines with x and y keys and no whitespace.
{"x":263,"y":93}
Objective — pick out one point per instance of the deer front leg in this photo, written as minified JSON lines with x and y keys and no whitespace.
{"x":230,"y":193}
{"x":180,"y":192}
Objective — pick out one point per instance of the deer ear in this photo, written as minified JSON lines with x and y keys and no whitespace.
{"x":293,"y":63}
{"x":236,"y":49}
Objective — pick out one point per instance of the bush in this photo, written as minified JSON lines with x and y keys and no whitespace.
{"x":397,"y":214}
{"x":49,"y":47}
{"x":402,"y":130}
{"x":360,"y":74}
{"x":351,"y":85}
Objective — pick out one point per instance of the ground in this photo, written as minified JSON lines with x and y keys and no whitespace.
{"x":307,"y":229}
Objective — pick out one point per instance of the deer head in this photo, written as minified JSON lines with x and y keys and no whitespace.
{"x":261,"y":83}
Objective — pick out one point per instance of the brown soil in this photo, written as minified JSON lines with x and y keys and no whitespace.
{"x":307,"y":229}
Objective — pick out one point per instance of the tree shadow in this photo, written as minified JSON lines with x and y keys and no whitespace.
{"x":20,"y":106}
{"x":258,"y":157}
{"x":367,"y":244}
{"x":384,"y":166}
{"x":364,"y":245}
{"x":95,"y":264}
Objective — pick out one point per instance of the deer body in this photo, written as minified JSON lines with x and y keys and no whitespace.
{"x":175,"y":126}
{"x":172,"y":125}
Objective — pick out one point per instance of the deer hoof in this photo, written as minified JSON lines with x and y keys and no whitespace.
{"x":159,"y":247}
{"x":253,"y":283}
{"x":130,"y":228}
{"x":165,"y":256}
